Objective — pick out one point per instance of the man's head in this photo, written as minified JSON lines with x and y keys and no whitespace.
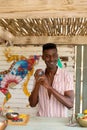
{"x":48,"y":46}
{"x":50,"y":55}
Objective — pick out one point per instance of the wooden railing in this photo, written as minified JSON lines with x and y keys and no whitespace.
{"x":81,"y":79}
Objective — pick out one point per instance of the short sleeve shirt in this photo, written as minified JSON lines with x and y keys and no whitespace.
{"x":51,"y":107}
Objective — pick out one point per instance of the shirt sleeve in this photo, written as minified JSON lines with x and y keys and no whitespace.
{"x":69,"y":83}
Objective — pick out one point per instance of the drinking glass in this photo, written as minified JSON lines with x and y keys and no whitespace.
{"x":70,"y":117}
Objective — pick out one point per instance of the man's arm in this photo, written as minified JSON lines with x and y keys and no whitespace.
{"x":67,"y":99}
{"x":33,"y":99}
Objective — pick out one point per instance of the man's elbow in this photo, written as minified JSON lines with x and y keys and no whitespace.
{"x":31,"y":103}
{"x":70,"y":105}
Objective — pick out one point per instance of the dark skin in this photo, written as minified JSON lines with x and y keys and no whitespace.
{"x":50,"y":58}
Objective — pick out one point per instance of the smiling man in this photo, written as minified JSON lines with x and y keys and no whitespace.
{"x":53,"y":89}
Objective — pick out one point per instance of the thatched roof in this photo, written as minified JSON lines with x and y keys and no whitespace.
{"x":42,"y":18}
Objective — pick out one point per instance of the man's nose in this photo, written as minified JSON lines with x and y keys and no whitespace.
{"x":51,"y":58}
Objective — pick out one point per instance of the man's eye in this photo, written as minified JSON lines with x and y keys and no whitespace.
{"x":55,"y":56}
{"x":47,"y":56}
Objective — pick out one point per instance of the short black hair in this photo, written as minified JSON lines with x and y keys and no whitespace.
{"x":48,"y":46}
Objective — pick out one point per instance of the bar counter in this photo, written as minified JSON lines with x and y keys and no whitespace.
{"x":45,"y":123}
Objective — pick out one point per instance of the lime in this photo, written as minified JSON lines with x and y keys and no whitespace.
{"x":85,"y":111}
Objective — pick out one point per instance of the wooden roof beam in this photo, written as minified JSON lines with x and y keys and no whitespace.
{"x":42,"y":8}
{"x":38,"y":40}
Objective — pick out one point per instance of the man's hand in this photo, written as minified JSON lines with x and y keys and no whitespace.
{"x":41,"y":78}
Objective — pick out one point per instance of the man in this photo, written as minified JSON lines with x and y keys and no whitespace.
{"x":53,"y":90}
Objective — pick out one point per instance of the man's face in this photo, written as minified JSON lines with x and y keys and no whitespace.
{"x":50,"y":57}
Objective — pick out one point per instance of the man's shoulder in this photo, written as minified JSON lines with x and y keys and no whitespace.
{"x":64,"y":71}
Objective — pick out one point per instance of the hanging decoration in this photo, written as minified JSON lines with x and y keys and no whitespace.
{"x":20,"y":67}
{"x":59,"y":63}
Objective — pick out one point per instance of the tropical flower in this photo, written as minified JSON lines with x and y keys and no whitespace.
{"x":10,"y":81}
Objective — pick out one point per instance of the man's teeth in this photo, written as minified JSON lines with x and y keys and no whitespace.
{"x":51,"y":63}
